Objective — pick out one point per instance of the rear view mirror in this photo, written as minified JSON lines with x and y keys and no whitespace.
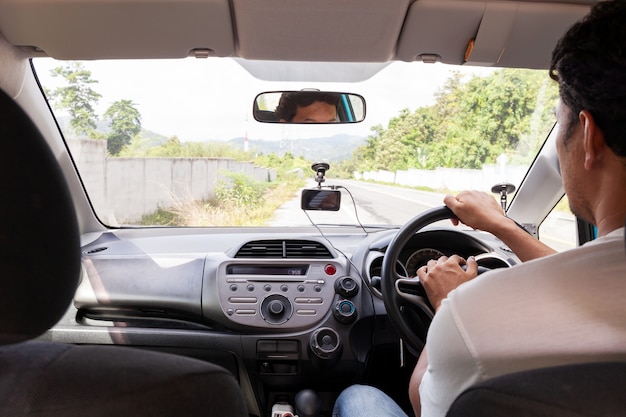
{"x":318,"y":199}
{"x":308,"y":107}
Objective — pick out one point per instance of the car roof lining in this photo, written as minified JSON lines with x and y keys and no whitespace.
{"x":507,"y":33}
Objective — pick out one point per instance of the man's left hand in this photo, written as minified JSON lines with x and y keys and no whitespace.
{"x":441,"y":276}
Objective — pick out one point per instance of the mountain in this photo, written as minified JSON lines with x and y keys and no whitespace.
{"x":103,"y":126}
{"x":334,"y":148}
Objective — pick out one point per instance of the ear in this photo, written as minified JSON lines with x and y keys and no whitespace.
{"x":593,"y":140}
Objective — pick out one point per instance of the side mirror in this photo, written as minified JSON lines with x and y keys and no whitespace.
{"x":318,"y":199}
{"x":308,"y":107}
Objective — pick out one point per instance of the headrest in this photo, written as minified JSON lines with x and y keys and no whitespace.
{"x":39,"y":242}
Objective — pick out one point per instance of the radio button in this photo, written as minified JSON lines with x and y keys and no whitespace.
{"x":306,"y":312}
{"x":243,"y":312}
{"x":308,"y":300}
{"x":245,"y":300}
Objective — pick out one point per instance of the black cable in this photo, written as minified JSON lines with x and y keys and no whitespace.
{"x":364,"y":282}
{"x":356,"y":213}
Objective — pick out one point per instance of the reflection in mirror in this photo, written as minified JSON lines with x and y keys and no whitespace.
{"x":318,"y":199}
{"x":308,"y":106}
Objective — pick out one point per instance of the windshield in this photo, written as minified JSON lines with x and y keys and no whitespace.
{"x":175,"y":143}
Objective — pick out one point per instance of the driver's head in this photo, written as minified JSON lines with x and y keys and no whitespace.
{"x":308,"y":107}
{"x":589,"y":63}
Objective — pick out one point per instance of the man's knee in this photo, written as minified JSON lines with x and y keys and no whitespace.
{"x":364,"y":400}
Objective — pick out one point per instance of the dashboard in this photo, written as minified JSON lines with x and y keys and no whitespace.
{"x":430,"y":244}
{"x":281,"y":310}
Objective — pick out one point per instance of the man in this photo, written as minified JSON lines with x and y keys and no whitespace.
{"x":308,"y":107}
{"x":552,"y":310}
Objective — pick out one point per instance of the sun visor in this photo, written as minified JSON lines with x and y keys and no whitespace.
{"x":486,"y":33}
{"x":493,"y":33}
{"x":438,"y":29}
{"x":522,"y":35}
{"x":536,"y":30}
{"x":110,"y":29}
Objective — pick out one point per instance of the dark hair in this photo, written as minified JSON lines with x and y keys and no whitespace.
{"x":289,"y":102}
{"x":589,"y":63}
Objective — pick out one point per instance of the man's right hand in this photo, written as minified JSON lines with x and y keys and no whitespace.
{"x":476,"y":209}
{"x":481,"y":211}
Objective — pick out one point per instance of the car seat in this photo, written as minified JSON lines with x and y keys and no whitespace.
{"x":580,"y":390}
{"x":39,"y":271}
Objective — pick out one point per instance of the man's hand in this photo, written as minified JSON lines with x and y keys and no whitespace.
{"x":441,"y":276}
{"x":476,"y":209}
{"x":481,"y":211}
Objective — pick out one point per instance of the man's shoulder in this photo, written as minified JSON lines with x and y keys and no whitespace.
{"x":602,"y":252}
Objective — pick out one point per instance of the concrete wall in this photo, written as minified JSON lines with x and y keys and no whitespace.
{"x":449,"y":178}
{"x":156,"y":182}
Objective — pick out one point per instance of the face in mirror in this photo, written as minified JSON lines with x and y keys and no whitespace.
{"x":308,"y":107}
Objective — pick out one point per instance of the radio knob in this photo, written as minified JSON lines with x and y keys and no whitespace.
{"x":346,"y":287}
{"x":345,"y":311}
{"x":325,"y":343}
{"x":275,"y":307}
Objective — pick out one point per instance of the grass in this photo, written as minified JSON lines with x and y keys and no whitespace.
{"x":227,"y":212}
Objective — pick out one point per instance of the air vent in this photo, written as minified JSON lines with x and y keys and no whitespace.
{"x":273,"y":249}
{"x":96,"y":250}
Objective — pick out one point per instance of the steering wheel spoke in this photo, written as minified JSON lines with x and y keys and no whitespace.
{"x":405,"y":299}
{"x":411,"y":290}
{"x":400,"y":292}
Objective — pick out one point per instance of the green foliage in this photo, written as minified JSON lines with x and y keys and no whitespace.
{"x":470,"y":124}
{"x":239,"y":190}
{"x":345,"y":168}
{"x":160,"y":217}
{"x":174,"y":148}
{"x":286,"y":165}
{"x":229,"y":211}
{"x":78,"y":98}
{"x":125,"y":122}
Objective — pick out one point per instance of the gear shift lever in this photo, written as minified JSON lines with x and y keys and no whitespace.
{"x":308,"y":403}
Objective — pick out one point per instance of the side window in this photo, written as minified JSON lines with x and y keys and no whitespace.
{"x":559,"y":229}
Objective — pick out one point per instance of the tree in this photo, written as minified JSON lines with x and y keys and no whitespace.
{"x":78,"y":98}
{"x":471,"y":123}
{"x":125,"y":122}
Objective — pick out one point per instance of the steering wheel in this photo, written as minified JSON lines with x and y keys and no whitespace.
{"x":405,"y":298}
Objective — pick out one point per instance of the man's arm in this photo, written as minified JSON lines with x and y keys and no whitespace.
{"x":445,"y":368}
{"x":416,"y":380}
{"x":481,"y":211}
{"x":450,"y":275}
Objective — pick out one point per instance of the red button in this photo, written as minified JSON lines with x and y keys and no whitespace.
{"x":330,"y":269}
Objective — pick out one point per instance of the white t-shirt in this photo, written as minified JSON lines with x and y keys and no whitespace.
{"x":566,"y":308}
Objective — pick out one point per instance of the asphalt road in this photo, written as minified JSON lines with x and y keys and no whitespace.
{"x":375,"y":204}
{"x":386,"y":204}
{"x":389,"y":205}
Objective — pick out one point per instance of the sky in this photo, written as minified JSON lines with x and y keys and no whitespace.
{"x":211,"y":99}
